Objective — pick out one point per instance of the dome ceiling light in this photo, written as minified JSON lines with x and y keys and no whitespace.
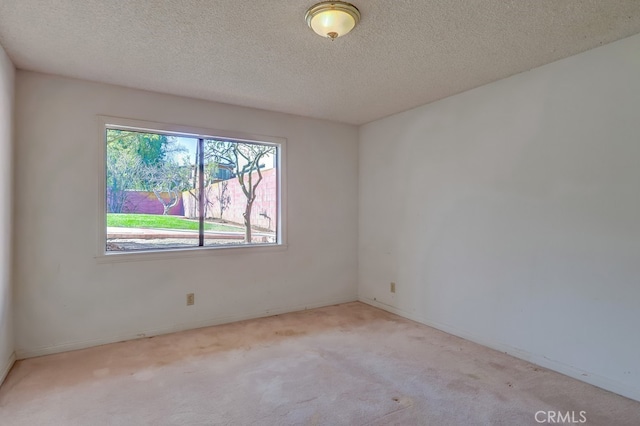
{"x":332,"y":19}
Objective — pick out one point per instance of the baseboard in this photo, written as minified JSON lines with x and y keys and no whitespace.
{"x":7,"y":367}
{"x":557,"y":366}
{"x":72,"y":346}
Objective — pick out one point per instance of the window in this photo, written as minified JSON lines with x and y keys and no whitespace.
{"x":169,"y":189}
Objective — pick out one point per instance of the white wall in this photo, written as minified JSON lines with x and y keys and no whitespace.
{"x":66,"y":300}
{"x":7,"y":76}
{"x":510,"y":215}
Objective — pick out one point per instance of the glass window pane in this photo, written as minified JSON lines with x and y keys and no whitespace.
{"x":242,"y":182}
{"x":147,"y":176}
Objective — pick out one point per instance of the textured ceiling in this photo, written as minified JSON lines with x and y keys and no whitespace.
{"x":261,"y":54}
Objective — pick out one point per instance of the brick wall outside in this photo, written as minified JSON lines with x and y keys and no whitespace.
{"x":147,"y":203}
{"x":266,"y":201}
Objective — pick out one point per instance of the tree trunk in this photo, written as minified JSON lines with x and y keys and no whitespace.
{"x":174,"y":197}
{"x":247,"y":222}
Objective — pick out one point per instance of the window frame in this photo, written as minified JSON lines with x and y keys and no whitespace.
{"x":109,"y":122}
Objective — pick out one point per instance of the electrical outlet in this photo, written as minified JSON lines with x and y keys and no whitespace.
{"x":392,"y":287}
{"x":191,"y":299}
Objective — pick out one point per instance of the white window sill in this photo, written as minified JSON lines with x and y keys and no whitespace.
{"x":191,"y":252}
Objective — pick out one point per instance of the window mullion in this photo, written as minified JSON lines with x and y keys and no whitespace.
{"x":201,"y":190}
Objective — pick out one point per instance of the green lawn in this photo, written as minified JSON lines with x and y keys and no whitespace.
{"x":123,"y":220}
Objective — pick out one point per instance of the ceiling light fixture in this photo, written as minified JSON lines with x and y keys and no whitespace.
{"x":332,"y":19}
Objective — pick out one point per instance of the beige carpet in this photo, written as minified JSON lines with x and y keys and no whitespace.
{"x":342,"y":365}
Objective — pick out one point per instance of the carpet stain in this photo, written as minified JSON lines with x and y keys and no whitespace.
{"x":404,"y":401}
{"x":497,"y":366}
{"x":289,"y":333}
{"x":462,"y":386}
